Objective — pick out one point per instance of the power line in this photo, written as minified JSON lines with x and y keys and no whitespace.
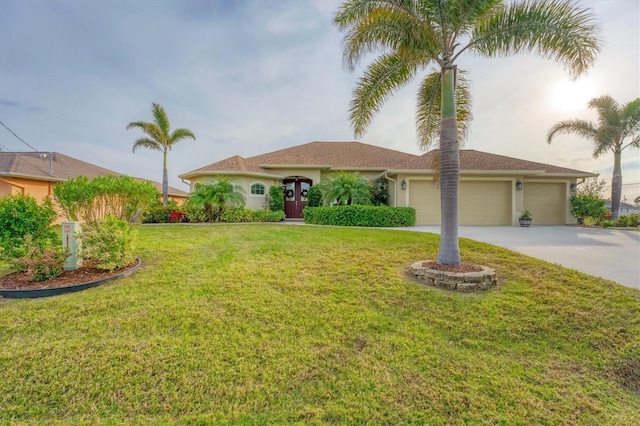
{"x":19,"y":138}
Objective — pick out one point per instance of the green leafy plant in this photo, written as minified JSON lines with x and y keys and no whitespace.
{"x":40,"y":261}
{"x":380,"y":194}
{"x":110,"y":241}
{"x":89,"y":200}
{"x":276,"y":198}
{"x":217,"y":196}
{"x":525,"y":215}
{"x":346,"y":189}
{"x":588,"y":206}
{"x":21,"y":216}
{"x":314,"y":197}
{"x":194,"y":213}
{"x":359,"y":215}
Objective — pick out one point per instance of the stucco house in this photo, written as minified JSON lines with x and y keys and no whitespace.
{"x":624,"y":209}
{"x":35,"y":174}
{"x":494,"y":189}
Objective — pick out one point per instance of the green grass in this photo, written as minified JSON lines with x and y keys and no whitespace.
{"x":272,"y":324}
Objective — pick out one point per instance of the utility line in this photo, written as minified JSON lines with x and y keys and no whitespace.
{"x":19,"y":138}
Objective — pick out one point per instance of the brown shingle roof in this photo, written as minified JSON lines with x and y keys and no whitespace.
{"x":338,"y":155}
{"x":55,"y":167}
{"x":232,"y":164}
{"x":477,"y":160}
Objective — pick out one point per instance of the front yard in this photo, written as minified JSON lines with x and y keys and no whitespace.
{"x":272,"y":324}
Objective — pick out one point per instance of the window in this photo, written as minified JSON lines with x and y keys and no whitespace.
{"x":257,"y":189}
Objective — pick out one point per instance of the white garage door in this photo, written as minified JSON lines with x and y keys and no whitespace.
{"x":484,"y":203}
{"x":424,"y":196}
{"x":479,"y":203}
{"x":546,"y":202}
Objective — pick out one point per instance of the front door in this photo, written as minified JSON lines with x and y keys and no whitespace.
{"x":295,"y":197}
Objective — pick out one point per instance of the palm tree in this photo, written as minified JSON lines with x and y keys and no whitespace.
{"x":416,"y":34}
{"x":615,"y":124}
{"x":160,"y":139}
{"x":215,"y":197}
{"x":346,"y":188}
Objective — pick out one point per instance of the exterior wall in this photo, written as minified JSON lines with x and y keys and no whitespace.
{"x":254,"y":202}
{"x":313,"y":174}
{"x":38,"y":189}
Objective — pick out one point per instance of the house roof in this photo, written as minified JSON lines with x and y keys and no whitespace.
{"x":56,"y":167}
{"x":472,"y":160}
{"x":328,"y":155}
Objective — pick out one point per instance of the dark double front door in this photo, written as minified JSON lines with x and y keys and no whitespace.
{"x":295,"y":196}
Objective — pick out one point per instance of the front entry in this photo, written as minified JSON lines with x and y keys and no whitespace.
{"x":295,"y":196}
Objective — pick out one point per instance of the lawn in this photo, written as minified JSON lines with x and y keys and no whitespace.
{"x":273,"y":324}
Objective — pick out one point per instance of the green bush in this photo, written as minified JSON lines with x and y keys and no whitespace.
{"x":236,"y":215}
{"x":157,"y":214}
{"x":360,"y":215}
{"x":608,"y":223}
{"x":276,"y":199}
{"x":628,"y":220}
{"x":22,"y":216}
{"x":268,"y":216}
{"x":314,"y":197}
{"x":110,"y":241}
{"x":195,"y":214}
{"x":40,"y":262}
{"x":588,"y":206}
{"x":89,"y":200}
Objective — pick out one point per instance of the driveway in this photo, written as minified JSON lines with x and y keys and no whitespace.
{"x":608,"y":253}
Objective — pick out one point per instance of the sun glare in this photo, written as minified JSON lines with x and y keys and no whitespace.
{"x":573,"y":95}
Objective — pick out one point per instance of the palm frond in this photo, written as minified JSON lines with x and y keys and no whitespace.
{"x":608,"y":110}
{"x":630,"y":116}
{"x":428,"y":114}
{"x":559,"y":30}
{"x":580,"y":127}
{"x":147,"y":143}
{"x":160,"y":118}
{"x":381,"y":78}
{"x":180,"y":134}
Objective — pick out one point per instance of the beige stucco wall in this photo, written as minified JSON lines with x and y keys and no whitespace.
{"x":255,"y":202}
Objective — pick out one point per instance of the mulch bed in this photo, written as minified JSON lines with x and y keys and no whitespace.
{"x":85,"y":274}
{"x":464,"y":267}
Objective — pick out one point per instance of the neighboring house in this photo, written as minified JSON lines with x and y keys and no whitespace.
{"x":494,"y":189}
{"x":35,"y":174}
{"x":625,"y":208}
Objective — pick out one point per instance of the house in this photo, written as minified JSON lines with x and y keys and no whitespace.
{"x":35,"y":174}
{"x":624,"y":209}
{"x":493,"y":190}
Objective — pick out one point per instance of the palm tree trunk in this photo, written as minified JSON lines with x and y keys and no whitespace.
{"x":616,"y":184}
{"x":449,"y":252}
{"x":165,"y":181}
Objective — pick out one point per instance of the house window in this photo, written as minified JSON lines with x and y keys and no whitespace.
{"x":257,"y":189}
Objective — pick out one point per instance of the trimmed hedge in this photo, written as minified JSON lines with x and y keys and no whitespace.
{"x":241,"y":214}
{"x":359,"y":215}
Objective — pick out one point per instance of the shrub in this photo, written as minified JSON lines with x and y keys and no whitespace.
{"x":110,"y":241}
{"x":89,"y":200}
{"x":629,"y":220}
{"x":359,"y":215}
{"x":40,"y":262}
{"x":380,"y":192}
{"x":588,"y":206}
{"x":177,"y":217}
{"x":22,"y":216}
{"x":268,"y":216}
{"x":236,"y":215}
{"x":314,"y":197}
{"x":194,"y":213}
{"x":157,"y":214}
{"x":608,"y":223}
{"x":276,"y":199}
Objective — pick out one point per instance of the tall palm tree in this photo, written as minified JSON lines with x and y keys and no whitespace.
{"x":159,"y":138}
{"x":417,"y":34}
{"x":615,"y":124}
{"x":216,"y":196}
{"x":346,"y":188}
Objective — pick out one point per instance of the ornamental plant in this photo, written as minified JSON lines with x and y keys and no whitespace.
{"x":20,"y":217}
{"x":89,"y":200}
{"x":40,"y":261}
{"x":588,"y":206}
{"x":276,"y":199}
{"x":110,"y":241}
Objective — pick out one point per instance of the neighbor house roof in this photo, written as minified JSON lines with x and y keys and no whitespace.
{"x":478,"y":161}
{"x":56,"y":167}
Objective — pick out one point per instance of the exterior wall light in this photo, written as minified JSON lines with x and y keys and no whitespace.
{"x":573,"y":187}
{"x":403,"y":185}
{"x":519,"y":185}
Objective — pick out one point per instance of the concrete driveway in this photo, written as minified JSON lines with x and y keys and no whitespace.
{"x":608,"y":253}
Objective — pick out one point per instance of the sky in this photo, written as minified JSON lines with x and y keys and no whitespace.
{"x":250,"y":77}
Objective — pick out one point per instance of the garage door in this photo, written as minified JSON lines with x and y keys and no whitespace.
{"x":546,"y":202}
{"x":484,"y":203}
{"x":424,"y":196}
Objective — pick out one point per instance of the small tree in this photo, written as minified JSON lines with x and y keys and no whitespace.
{"x":217,"y":196}
{"x":276,"y":198}
{"x":588,"y":206}
{"x":592,"y":186}
{"x":380,"y":193}
{"x":345,"y":189}
{"x":314,"y":197}
{"x":89,"y":200}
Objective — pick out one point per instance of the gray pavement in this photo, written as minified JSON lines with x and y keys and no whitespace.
{"x":608,"y":253}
